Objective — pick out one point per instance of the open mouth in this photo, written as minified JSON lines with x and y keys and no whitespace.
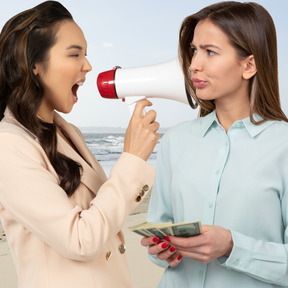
{"x":75,"y":89}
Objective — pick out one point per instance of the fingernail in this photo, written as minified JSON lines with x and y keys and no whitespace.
{"x":167,"y":238}
{"x":164,"y":245}
{"x":179,"y":257}
{"x":172,"y":249}
{"x":155,"y":239}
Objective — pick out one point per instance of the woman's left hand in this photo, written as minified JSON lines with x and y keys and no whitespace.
{"x":212,"y":243}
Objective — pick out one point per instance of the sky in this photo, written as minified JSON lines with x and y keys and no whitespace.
{"x":136,"y":33}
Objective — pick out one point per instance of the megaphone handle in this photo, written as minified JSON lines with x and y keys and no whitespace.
{"x":132,"y":101}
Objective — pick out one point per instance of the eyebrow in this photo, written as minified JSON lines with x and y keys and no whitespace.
{"x":74,"y":47}
{"x":207,"y":46}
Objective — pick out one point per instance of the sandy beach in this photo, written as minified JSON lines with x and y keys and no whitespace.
{"x":139,"y":263}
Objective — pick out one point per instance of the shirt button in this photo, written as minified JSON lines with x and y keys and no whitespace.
{"x":217,"y":171}
{"x":226,"y":143}
{"x":237,"y":262}
{"x":210,"y":204}
{"x":200,"y":274}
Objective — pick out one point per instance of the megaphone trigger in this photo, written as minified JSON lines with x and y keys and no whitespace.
{"x":132,"y":101}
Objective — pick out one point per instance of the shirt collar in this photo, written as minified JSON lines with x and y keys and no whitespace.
{"x":207,"y":122}
{"x":253,"y":129}
{"x":211,"y":119}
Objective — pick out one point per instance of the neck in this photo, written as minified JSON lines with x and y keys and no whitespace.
{"x":46,"y":116}
{"x":232,"y":112}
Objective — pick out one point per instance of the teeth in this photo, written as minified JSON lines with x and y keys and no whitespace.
{"x":80,"y":83}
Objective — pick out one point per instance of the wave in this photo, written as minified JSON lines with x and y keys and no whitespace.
{"x":108,"y":147}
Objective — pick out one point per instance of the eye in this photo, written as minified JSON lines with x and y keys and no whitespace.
{"x":74,"y":55}
{"x":193,"y":50}
{"x":210,"y":52}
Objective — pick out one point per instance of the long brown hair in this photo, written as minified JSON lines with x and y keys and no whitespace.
{"x":26,"y":39}
{"x":251,"y":31}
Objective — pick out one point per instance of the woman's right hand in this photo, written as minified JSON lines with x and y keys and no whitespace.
{"x":141,"y":136}
{"x":163,"y":250}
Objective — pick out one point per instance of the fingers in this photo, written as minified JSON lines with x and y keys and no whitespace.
{"x":139,"y":108}
{"x":174,"y":259}
{"x":187,"y":242}
{"x":212,"y":243}
{"x":149,"y":118}
{"x":141,"y":136}
{"x":162,"y":250}
{"x":147,"y":241}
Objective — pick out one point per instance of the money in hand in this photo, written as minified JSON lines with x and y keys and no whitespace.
{"x":161,"y":230}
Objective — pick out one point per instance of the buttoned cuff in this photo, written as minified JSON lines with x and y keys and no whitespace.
{"x":140,"y":173}
{"x":238,"y":259}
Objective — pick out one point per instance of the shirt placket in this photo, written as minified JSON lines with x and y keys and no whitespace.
{"x":210,"y":206}
{"x":221,"y":160}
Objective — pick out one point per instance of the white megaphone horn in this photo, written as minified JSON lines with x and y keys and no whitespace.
{"x":164,"y":80}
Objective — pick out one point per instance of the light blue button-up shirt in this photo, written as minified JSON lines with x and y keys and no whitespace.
{"x":237,"y":180}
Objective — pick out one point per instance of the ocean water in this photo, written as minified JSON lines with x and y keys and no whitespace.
{"x":107,"y":148}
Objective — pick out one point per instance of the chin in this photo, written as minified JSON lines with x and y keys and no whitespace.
{"x":65,"y":111}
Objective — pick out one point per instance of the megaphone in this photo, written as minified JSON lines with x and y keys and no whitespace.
{"x":164,"y":80}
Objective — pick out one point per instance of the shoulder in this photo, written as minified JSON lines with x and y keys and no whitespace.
{"x":279,"y":129}
{"x":10,"y":128}
{"x":185,"y":127}
{"x":181,"y":136}
{"x":282,"y":125}
{"x":16,"y":141}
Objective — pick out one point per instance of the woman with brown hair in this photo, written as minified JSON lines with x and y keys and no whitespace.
{"x":229,"y":167}
{"x":62,"y":216}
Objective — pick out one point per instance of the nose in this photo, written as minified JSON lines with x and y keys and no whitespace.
{"x":87,"y":66}
{"x":196,"y":63}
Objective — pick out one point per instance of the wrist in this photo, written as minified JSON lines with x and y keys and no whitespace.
{"x":230,"y":243}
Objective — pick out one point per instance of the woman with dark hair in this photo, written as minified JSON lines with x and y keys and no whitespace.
{"x":228,"y":168}
{"x":62,"y":216}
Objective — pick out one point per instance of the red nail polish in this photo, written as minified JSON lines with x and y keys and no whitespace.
{"x":164,"y":245}
{"x":167,"y":238}
{"x":172,"y":249}
{"x":155,"y":239}
{"x":179,"y":257}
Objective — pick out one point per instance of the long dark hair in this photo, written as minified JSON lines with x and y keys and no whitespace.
{"x":26,"y":39}
{"x":251,"y":31}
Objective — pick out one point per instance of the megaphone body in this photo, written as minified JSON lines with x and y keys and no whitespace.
{"x":164,"y":80}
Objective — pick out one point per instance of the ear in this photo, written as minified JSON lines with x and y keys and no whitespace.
{"x":250,"y":68}
{"x":37,"y":69}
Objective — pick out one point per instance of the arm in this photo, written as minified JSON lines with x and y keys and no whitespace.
{"x":33,"y":197}
{"x":265,"y":261}
{"x":31,"y":194}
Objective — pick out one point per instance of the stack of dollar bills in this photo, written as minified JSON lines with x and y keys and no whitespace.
{"x":161,"y":230}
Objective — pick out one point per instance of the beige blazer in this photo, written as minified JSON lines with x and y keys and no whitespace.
{"x":61,"y":242}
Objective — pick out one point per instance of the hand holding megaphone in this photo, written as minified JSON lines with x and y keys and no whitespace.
{"x":141,"y":135}
{"x":164,"y":80}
